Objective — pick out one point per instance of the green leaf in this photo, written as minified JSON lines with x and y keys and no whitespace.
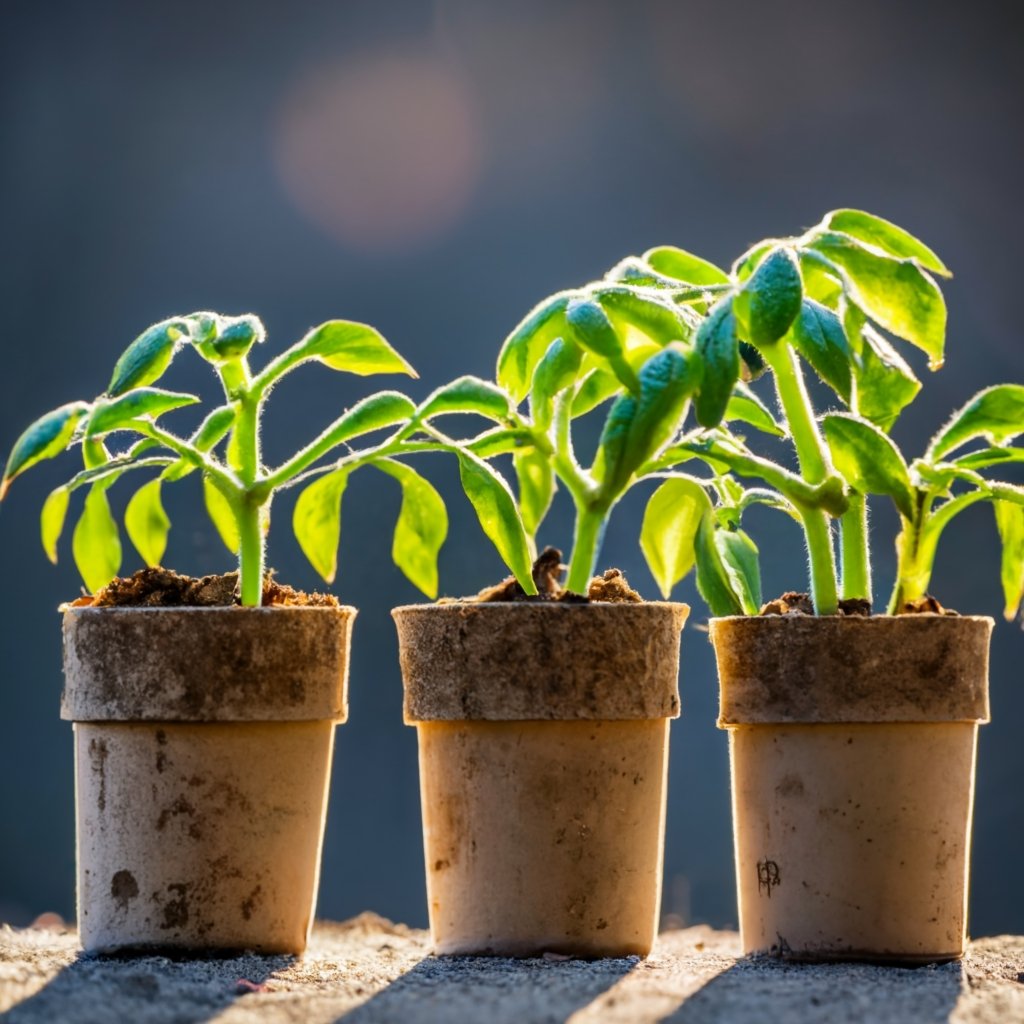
{"x":868,"y":460}
{"x":500,"y":441}
{"x":384,"y":409}
{"x":720,"y":359}
{"x":51,"y":520}
{"x":749,"y":261}
{"x":990,"y":457}
{"x":96,"y":544}
{"x":819,"y":337}
{"x":770,"y":299}
{"x":147,"y":524}
{"x":421,"y":528}
{"x":536,"y":480}
{"x":223,"y":340}
{"x":496,"y":510}
{"x":654,"y":316}
{"x":146,"y":359}
{"x":596,"y":387}
{"x":741,"y":560}
{"x":119,"y":413}
{"x":669,"y":530}
{"x":221,"y":515}
{"x":1010,"y":522}
{"x":895,"y":293}
{"x":714,"y":581}
{"x":352,"y":347}
{"x":316,"y":521}
{"x":523,"y":348}
{"x":745,"y":406}
{"x":637,"y":427}
{"x":214,"y":428}
{"x":555,"y":372}
{"x":883,"y":383}
{"x":590,"y":327}
{"x":467,"y":394}
{"x":894,"y":240}
{"x":46,"y":437}
{"x":684,"y":266}
{"x":995,"y":414}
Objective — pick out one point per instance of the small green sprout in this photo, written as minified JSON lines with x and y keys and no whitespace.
{"x":225,"y":450}
{"x":822,"y":299}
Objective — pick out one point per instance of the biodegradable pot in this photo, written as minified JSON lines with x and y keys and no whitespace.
{"x":852,"y":743}
{"x":203,"y":740}
{"x":543,"y":740}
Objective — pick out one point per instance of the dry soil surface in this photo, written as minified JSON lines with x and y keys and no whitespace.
{"x":368,"y":971}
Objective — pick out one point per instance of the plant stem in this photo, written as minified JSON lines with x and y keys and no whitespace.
{"x":250,"y":510}
{"x":586,"y":544}
{"x":853,"y":527}
{"x":815,"y":468}
{"x":249,"y":517}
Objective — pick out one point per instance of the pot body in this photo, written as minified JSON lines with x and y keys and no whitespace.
{"x":203,"y":741}
{"x":852,"y":746}
{"x":543,"y":744}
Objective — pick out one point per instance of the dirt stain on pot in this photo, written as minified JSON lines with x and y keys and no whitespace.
{"x":179,"y":807}
{"x":98,"y":757}
{"x":124,"y":888}
{"x":176,"y":909}
{"x":251,"y":902}
{"x":790,"y":786}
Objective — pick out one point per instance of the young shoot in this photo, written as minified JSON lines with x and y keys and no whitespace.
{"x":225,"y":450}
{"x":822,"y":300}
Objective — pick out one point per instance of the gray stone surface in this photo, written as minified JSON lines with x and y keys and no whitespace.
{"x":369,"y":971}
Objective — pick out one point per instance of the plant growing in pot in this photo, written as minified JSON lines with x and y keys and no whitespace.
{"x":204,"y":710}
{"x":542,"y":711}
{"x":852,"y":736}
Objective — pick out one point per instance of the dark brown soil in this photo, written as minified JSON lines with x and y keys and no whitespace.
{"x":162,"y":588}
{"x":926,"y":605}
{"x":796,"y":603}
{"x":547,"y":573}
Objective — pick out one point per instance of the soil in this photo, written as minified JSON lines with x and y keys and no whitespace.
{"x":163,"y":588}
{"x":610,"y":588}
{"x":796,"y":603}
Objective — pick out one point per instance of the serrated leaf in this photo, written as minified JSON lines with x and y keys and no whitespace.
{"x":883,"y":383}
{"x":96,"y":543}
{"x":147,"y":524}
{"x":51,"y":520}
{"x":536,"y":480}
{"x":591,"y":328}
{"x":142,"y":403}
{"x":868,"y":460}
{"x":146,"y":359}
{"x":421,"y":528}
{"x":745,"y":406}
{"x":717,"y":346}
{"x":1010,"y":522}
{"x":996,"y":414}
{"x":316,"y":521}
{"x":467,"y":395}
{"x":46,"y":437}
{"x":770,"y":299}
{"x":866,"y":227}
{"x":669,"y":530}
{"x":819,"y":337}
{"x":895,"y":293}
{"x":221,"y":515}
{"x":526,"y":344}
{"x":352,"y":347}
{"x":496,"y":510}
{"x":684,"y":266}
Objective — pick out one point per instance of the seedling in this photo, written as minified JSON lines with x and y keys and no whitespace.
{"x":822,"y":299}
{"x":225,"y":449}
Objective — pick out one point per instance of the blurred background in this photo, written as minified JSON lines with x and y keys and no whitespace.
{"x":435,"y":168}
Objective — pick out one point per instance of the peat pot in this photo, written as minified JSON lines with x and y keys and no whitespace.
{"x":203,"y":741}
{"x":543,"y":744}
{"x":852,"y":743}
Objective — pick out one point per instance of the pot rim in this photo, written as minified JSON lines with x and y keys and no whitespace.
{"x":234,"y":609}
{"x":462,"y":603}
{"x":881,"y":617}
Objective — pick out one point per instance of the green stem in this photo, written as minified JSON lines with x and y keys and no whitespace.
{"x":586,"y":545}
{"x":249,"y":517}
{"x":853,"y":527}
{"x":250,"y":510}
{"x":820,"y":554}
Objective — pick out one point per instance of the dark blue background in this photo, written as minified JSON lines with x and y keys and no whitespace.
{"x":435,"y":169}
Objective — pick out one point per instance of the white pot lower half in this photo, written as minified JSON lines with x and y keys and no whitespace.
{"x":543,"y":740}
{"x":852,"y":750}
{"x":203,"y":743}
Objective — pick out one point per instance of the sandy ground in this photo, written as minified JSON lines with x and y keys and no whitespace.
{"x":370,"y":971}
